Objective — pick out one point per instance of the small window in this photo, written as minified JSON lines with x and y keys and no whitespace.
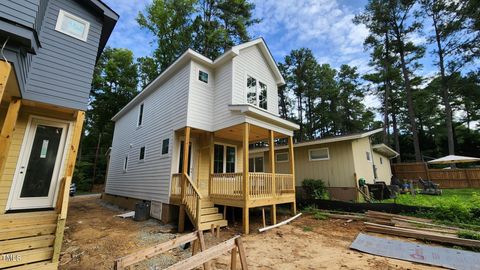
{"x":368,"y":156}
{"x":281,"y":157}
{"x":125,"y":164}
{"x":140,"y":115}
{"x":72,"y":25}
{"x":142,"y":153}
{"x":262,"y":98}
{"x":218,"y":158}
{"x":203,"y":76}
{"x":381,"y":160}
{"x":318,"y":154}
{"x":255,"y":164}
{"x":165,"y":144}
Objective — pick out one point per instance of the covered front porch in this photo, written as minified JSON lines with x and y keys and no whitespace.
{"x":217,"y":167}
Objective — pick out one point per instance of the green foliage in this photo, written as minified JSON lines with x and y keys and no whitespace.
{"x":469,"y":234}
{"x":208,"y":26}
{"x":453,"y":206}
{"x":307,"y":229}
{"x":320,"y":216}
{"x":315,"y":189}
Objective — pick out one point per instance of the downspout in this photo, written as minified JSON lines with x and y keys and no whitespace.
{"x":375,"y":178}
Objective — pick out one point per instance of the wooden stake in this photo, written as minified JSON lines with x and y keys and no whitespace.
{"x":263,"y":217}
{"x":218,"y":231}
{"x":241,"y":253}
{"x":203,"y":247}
{"x":233,"y":264}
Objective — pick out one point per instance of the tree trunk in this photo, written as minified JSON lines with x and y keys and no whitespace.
{"x":411,"y":109}
{"x":396,"y":136}
{"x":300,"y":117}
{"x":96,"y":158}
{"x":445,"y":92}
{"x":386,"y":124}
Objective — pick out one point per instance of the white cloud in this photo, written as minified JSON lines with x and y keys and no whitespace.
{"x":127,"y":32}
{"x":325,"y":26}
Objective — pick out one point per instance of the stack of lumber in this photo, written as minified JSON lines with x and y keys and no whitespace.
{"x":411,"y":227}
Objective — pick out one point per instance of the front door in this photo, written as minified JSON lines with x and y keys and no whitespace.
{"x":37,"y":174}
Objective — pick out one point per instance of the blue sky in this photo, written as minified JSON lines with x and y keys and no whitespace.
{"x":325,"y":26}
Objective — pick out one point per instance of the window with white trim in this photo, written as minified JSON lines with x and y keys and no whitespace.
{"x":281,"y":157}
{"x":318,"y":154}
{"x":256,"y":93}
{"x":140,"y":116}
{"x":224,"y":158}
{"x":72,"y":25}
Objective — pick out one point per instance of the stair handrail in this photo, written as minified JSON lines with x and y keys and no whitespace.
{"x":194,"y":209}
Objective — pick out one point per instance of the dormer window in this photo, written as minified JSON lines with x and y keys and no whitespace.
{"x":72,"y":25}
{"x":256,"y":93}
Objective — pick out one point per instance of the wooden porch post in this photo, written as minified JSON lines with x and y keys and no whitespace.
{"x":5,"y":69}
{"x":292,"y":171}
{"x":246,"y":180}
{"x":210,"y":168}
{"x":64,"y":194}
{"x":271,"y":146}
{"x":7,"y":131}
{"x":186,"y":147}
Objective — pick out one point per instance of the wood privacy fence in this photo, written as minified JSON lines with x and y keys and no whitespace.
{"x":447,"y":178}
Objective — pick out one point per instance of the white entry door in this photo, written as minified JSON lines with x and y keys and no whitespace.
{"x":37,"y":174}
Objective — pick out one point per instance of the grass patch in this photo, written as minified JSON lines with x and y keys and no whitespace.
{"x":307,"y":229}
{"x":469,"y":235}
{"x":454,"y":206}
{"x":320,"y":216}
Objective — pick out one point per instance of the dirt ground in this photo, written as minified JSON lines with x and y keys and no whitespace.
{"x":94,"y":238}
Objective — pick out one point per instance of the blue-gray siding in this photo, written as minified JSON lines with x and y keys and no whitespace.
{"x":61,"y":72}
{"x":22,"y":12}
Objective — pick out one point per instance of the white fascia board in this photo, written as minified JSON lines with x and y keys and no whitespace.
{"x":255,"y":112}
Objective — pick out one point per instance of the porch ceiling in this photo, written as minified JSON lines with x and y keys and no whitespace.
{"x":235,"y":133}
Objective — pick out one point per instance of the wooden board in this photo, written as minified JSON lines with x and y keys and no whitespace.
{"x":27,"y":219}
{"x":46,"y":265}
{"x":29,"y":256}
{"x":422,"y":235}
{"x":27,"y":231}
{"x":9,"y":246}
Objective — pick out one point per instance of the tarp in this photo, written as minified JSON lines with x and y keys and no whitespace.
{"x":408,"y":251}
{"x":453,"y":159}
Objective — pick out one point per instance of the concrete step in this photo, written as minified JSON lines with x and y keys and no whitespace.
{"x":211,"y":217}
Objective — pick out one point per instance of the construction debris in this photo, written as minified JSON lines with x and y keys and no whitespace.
{"x":279,"y":224}
{"x":130,"y":214}
{"x":437,"y":256}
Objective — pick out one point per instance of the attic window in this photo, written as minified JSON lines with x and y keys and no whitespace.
{"x":72,"y":25}
{"x":203,"y":76}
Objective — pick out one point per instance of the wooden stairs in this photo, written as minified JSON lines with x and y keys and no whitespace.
{"x":209,"y":215}
{"x":27,"y":240}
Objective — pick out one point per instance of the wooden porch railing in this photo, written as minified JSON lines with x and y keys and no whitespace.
{"x":261,"y":185}
{"x":192,"y":199}
{"x":176,"y":187}
{"x":285,"y":184}
{"x":226,"y":185}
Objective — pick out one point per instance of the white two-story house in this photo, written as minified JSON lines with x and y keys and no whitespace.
{"x":218,"y":108}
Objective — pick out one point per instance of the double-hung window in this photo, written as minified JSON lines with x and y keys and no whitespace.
{"x":224,"y":158}
{"x":256,"y":93}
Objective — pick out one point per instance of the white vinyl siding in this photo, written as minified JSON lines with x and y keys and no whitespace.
{"x":200,"y":99}
{"x":149,"y":180}
{"x":251,"y":62}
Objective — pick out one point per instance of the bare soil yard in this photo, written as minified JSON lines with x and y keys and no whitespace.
{"x":94,"y":237}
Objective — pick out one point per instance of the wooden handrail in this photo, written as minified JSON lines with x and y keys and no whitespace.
{"x":193,"y":185}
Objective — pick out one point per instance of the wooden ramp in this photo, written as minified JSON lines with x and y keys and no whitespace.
{"x":27,"y":240}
